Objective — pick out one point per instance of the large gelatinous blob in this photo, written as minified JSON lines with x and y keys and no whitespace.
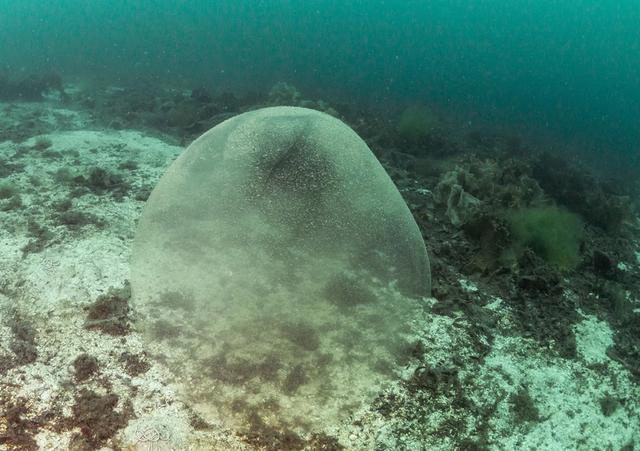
{"x":277,"y":268}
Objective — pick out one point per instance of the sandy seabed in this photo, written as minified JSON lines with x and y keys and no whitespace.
{"x":70,"y":201}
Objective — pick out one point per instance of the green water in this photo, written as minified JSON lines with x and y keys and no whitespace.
{"x":569,"y":69}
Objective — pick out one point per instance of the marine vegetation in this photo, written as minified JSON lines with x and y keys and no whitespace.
{"x":421,"y":132}
{"x":582,"y":193}
{"x":551,"y":232}
{"x":417,"y":123}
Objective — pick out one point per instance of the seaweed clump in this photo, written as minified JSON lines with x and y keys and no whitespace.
{"x":419,"y":131}
{"x":434,"y":380}
{"x":102,"y":181}
{"x":267,"y":437}
{"x":7,"y":191}
{"x":76,"y":219}
{"x":94,"y":415}
{"x":552,"y":233}
{"x":523,"y":408}
{"x":97,"y":419}
{"x":582,"y":193}
{"x":16,"y":431}
{"x":514,"y":232}
{"x":263,"y":436}
{"x":134,"y":364}
{"x":23,"y":344}
{"x":241,"y":371}
{"x":9,"y":197}
{"x":295,"y":379}
{"x":109,"y":313}
{"x":42,"y":143}
{"x":302,"y":335}
{"x":416,"y":124}
{"x":608,"y":405}
{"x":40,"y":237}
{"x":7,"y":168}
{"x":84,"y":367}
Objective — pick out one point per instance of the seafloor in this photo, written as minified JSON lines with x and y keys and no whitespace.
{"x":526,"y":344}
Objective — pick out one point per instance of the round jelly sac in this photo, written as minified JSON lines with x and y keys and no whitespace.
{"x":277,"y":270}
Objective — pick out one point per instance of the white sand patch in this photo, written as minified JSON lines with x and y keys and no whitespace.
{"x":567,"y":396}
{"x":593,"y":337}
{"x":49,"y":288}
{"x":468,"y":286}
{"x":18,"y":118}
{"x":76,"y":271}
